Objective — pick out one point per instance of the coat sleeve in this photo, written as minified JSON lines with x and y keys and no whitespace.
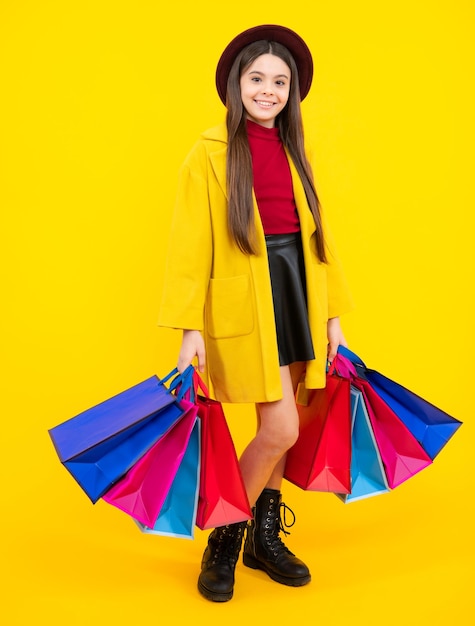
{"x":189,"y":258}
{"x":339,"y":296}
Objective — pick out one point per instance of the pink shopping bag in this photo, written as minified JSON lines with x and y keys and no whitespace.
{"x":143,"y":490}
{"x":401,"y":453}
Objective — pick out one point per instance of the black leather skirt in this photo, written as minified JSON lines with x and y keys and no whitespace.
{"x":287,"y":272}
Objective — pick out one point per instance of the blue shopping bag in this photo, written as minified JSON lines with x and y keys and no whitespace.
{"x":100,"y":445}
{"x":431,"y":426}
{"x":367,"y":471}
{"x":177,"y":517}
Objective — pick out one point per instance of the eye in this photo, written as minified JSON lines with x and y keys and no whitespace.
{"x":256,"y":79}
{"x":281,"y":83}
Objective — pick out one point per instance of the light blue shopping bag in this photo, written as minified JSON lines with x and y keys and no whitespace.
{"x":367,"y":471}
{"x":177,"y":516}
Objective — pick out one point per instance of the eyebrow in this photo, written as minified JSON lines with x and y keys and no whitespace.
{"x":262,"y":74}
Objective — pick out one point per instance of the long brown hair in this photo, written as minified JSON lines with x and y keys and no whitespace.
{"x":239,"y":163}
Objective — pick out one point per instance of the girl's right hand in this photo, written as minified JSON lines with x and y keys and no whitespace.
{"x":192,"y":345}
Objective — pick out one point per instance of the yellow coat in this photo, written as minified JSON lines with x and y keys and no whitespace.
{"x":211,"y":286}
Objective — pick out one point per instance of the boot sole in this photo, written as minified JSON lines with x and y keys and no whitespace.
{"x":214,"y":597}
{"x":250,"y":561}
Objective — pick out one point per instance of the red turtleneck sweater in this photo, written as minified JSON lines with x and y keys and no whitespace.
{"x":272,"y":181}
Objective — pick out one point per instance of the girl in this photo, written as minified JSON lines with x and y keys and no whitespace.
{"x":253,"y":281}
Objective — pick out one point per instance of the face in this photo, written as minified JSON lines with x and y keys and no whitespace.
{"x":265,"y":87}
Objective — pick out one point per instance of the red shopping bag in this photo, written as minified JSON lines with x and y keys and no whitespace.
{"x":320,"y":460}
{"x":222,"y":496}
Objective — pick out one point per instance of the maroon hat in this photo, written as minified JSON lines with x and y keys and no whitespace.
{"x":268,"y":32}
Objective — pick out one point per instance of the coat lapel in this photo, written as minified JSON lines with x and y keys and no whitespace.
{"x":217,"y":153}
{"x":218,"y":163}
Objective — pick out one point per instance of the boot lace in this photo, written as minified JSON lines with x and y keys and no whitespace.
{"x":273,"y":539}
{"x":227,"y":545}
{"x":282,"y":518}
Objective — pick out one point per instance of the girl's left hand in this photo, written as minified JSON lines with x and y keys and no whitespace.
{"x":335,"y":337}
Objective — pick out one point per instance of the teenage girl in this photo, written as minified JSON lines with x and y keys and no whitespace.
{"x":253,"y":281}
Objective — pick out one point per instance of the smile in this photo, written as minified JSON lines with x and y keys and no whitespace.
{"x":264,"y":104}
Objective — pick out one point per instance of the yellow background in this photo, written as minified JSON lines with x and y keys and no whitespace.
{"x":94,"y":96}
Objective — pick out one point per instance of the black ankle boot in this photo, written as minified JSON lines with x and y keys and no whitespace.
{"x":264,"y":549}
{"x":216,"y":581}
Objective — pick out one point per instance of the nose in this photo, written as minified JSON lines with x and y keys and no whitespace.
{"x":268,"y":89}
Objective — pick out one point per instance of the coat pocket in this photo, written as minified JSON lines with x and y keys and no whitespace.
{"x":229,"y":310}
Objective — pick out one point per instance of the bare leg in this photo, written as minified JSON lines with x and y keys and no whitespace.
{"x":275,"y":481}
{"x":263,"y":461}
{"x":262,"y":464}
{"x":263,"y":546}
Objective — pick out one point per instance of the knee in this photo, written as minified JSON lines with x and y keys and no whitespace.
{"x":290,"y":436}
{"x":280,"y":440}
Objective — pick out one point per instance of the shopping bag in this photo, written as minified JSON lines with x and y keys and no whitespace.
{"x":367,"y":471}
{"x":100,"y":445}
{"x":431,"y":426}
{"x":143,"y":490}
{"x":401,"y":453}
{"x":177,"y":517}
{"x":222,"y":495}
{"x":320,"y":459}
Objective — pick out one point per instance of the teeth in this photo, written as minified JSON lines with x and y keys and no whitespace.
{"x":264,"y":104}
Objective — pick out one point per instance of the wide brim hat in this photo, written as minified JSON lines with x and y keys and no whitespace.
{"x":267,"y":32}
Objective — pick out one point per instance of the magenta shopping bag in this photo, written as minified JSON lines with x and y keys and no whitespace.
{"x":143,"y":490}
{"x":401,"y":453}
{"x":431,"y":426}
{"x":177,"y":517}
